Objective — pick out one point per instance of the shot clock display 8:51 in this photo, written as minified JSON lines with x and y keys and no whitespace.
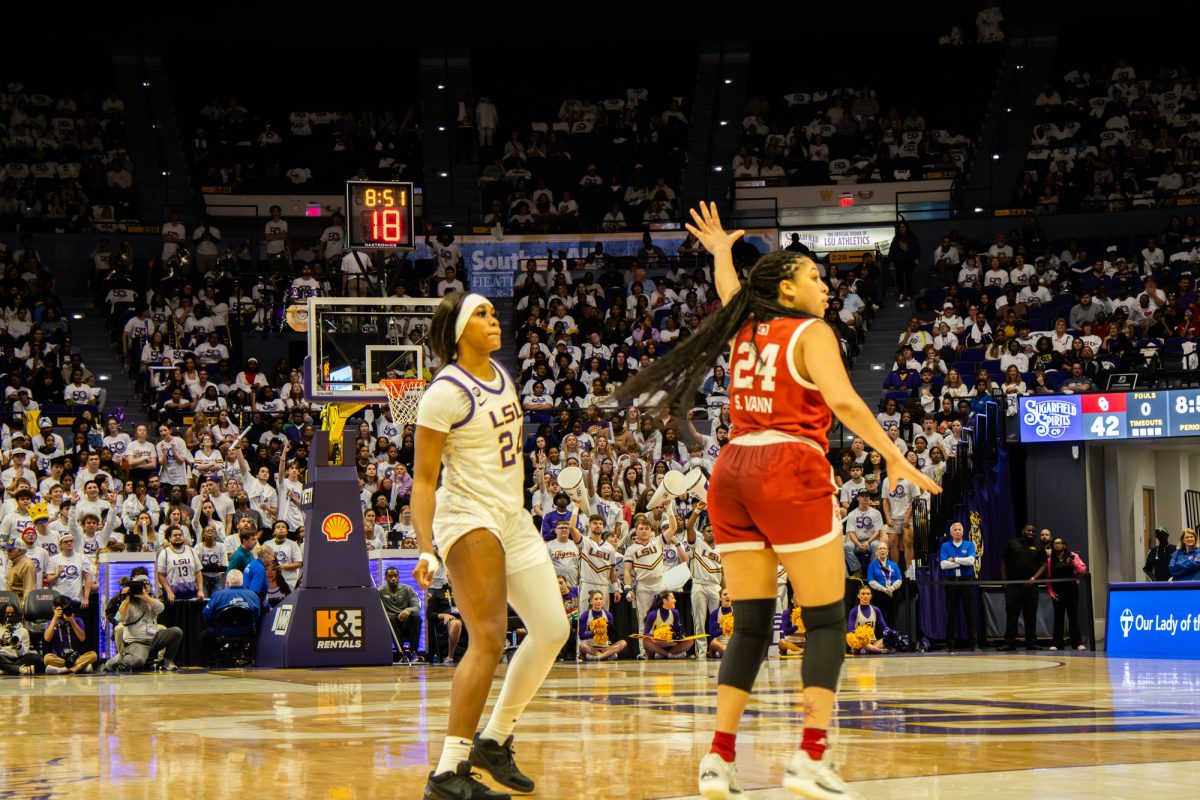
{"x":379,"y":215}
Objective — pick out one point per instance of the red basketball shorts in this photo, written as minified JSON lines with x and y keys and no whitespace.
{"x":780,"y":496}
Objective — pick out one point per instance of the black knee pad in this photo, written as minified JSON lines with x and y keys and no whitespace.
{"x":753,"y":625}
{"x":824,"y":645}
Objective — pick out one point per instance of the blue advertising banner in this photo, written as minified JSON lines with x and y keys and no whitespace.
{"x":493,"y":263}
{"x":1153,"y":620}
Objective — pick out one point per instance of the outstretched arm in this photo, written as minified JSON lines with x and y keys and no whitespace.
{"x":708,"y":231}
{"x":829,"y":374}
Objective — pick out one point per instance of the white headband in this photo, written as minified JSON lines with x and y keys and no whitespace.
{"x":469,"y":304}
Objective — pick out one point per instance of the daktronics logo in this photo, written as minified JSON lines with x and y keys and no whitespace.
{"x":338,"y":628}
{"x":1051,"y":418}
{"x":337,"y":527}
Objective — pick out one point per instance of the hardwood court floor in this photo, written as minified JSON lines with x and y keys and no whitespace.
{"x":1020,"y":726}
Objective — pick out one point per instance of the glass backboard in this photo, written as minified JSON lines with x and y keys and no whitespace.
{"x":354,"y":342}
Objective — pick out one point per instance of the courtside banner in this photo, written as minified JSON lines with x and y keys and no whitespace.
{"x":1153,"y":620}
{"x":833,"y":240}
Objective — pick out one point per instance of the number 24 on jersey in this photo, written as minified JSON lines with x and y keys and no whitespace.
{"x":751,"y":364}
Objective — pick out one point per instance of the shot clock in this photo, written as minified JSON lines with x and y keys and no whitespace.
{"x":1110,"y":417}
{"x":379,"y":215}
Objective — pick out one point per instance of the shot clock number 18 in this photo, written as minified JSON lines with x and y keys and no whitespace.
{"x":380,"y":215}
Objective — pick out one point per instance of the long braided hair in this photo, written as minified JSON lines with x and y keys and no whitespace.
{"x":680,"y":372}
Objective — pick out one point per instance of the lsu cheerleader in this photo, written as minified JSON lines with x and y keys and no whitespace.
{"x":644,"y":558}
{"x":595,"y":627}
{"x":662,"y":625}
{"x":720,"y":626}
{"x":791,"y":630}
{"x":707,"y":575}
{"x":598,"y":561}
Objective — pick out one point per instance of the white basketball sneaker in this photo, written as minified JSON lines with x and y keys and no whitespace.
{"x":718,"y":778}
{"x":816,"y":780}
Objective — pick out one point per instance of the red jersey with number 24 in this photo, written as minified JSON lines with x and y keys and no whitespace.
{"x":766,"y":392}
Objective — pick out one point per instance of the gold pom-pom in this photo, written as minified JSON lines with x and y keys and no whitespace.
{"x":661,"y":633}
{"x":797,"y":621}
{"x":861,"y":636}
{"x":726,"y":624}
{"x":599,"y":629}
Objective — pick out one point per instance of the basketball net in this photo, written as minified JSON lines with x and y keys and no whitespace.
{"x":404,"y":395}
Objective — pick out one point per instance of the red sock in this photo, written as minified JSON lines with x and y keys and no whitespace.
{"x":723,"y":744}
{"x":813,"y":743}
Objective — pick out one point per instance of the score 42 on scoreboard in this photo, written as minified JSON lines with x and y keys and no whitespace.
{"x":1110,"y":417}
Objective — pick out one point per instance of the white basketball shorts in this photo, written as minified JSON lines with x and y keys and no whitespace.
{"x":523,"y":544}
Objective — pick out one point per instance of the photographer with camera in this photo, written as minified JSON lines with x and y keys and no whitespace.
{"x":143,"y":636}
{"x":65,"y":636}
{"x":16,"y":657}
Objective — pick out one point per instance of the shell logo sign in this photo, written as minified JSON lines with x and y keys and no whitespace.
{"x":337,"y":527}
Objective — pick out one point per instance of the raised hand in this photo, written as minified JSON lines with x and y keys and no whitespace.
{"x":708,"y":231}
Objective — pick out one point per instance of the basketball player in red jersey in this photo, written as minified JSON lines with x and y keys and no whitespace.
{"x":772,"y":499}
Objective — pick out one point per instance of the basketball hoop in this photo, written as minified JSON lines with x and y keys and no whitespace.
{"x":404,"y":394}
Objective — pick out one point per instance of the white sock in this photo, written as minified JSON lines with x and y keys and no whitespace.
{"x":455,"y":750}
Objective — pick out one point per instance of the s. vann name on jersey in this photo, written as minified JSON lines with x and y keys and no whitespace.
{"x":755,"y":403}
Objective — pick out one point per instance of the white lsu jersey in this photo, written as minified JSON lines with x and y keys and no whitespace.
{"x":647,"y":562}
{"x":597,"y":563}
{"x":180,"y":570}
{"x":483,"y":426}
{"x":705,"y":562}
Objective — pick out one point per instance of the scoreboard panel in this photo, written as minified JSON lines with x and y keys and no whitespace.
{"x":379,"y":215}
{"x":1110,"y":416}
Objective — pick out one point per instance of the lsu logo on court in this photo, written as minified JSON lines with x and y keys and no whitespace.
{"x":338,"y":628}
{"x":337,"y":527}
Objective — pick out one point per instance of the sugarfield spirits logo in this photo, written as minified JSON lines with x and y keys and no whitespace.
{"x":1050,"y":418}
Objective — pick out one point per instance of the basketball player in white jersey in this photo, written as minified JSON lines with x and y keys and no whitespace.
{"x":707,"y":575}
{"x":469,"y":423}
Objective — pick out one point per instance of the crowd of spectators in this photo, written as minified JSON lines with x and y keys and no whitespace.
{"x":1112,"y":141}
{"x":267,"y":149}
{"x":213,"y":488}
{"x":39,"y":365}
{"x":849,"y":126}
{"x":843,"y":135}
{"x":1023,"y":315}
{"x":585,"y":165}
{"x":63,"y":162}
